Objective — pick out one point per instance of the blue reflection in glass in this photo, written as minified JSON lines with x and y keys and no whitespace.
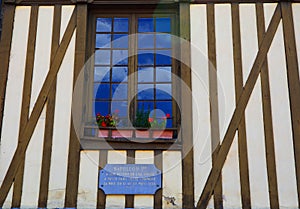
{"x":120,"y":57}
{"x":120,"y":24}
{"x":145,"y":57}
{"x":145,"y":92}
{"x":163,"y":74}
{"x":169,"y":123}
{"x":163,"y":57}
{"x":166,"y":107}
{"x":119,"y":74}
{"x":101,"y":91}
{"x":120,"y":41}
{"x":163,"y":24}
{"x":101,"y":107}
{"x":145,"y":25}
{"x":103,"y":40}
{"x":101,"y":74}
{"x":163,"y":41}
{"x":145,"y":74}
{"x":103,"y":25}
{"x":120,"y":107}
{"x":119,"y":91}
{"x":145,"y":41}
{"x":102,"y":57}
{"x":163,"y":91}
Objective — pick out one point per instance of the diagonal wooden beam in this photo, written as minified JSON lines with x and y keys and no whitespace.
{"x":239,"y":111}
{"x":293,"y":82}
{"x":37,"y":110}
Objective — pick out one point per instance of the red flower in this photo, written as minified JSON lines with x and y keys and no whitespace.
{"x":98,"y":114}
{"x":150,"y":120}
{"x":103,"y":124}
{"x":168,"y":115}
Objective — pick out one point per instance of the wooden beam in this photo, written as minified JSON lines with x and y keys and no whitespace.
{"x":158,"y":160}
{"x":37,"y":110}
{"x":214,"y":102}
{"x":101,"y":197}
{"x":74,"y":145}
{"x":242,"y":138}
{"x":129,"y":199}
{"x":240,"y":109}
{"x":293,"y":82}
{"x":186,"y":111}
{"x":267,"y":115}
{"x":18,"y":182}
{"x":5,"y":46}
{"x":48,"y":134}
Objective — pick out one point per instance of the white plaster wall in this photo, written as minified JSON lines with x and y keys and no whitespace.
{"x":62,"y":120}
{"x":13,"y":97}
{"x":144,"y":201}
{"x":201,"y":116}
{"x":116,"y":201}
{"x":33,"y":158}
{"x":88,"y":179}
{"x":172,"y":178}
{"x":296,"y":16}
{"x":281,"y":118}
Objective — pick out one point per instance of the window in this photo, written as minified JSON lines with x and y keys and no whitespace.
{"x":133,"y":66}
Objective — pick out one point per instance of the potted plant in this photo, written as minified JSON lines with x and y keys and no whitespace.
{"x":141,"y":123}
{"x":158,"y":126}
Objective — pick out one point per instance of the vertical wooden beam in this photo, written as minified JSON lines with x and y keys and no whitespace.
{"x":129,"y":199}
{"x":293,"y":82}
{"x":101,"y":197}
{"x":238,"y":73}
{"x":74,"y":145}
{"x":214,"y":102}
{"x":158,"y":161}
{"x":37,"y":110}
{"x":5,"y":46}
{"x":267,"y":114}
{"x":240,"y":109}
{"x":18,"y":182}
{"x":48,"y":135}
{"x":186,"y":110}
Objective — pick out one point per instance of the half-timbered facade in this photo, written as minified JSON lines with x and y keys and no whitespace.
{"x":221,"y":75}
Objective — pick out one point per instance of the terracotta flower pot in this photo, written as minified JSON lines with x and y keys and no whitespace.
{"x":103,"y":133}
{"x":162,"y":134}
{"x":121,"y":133}
{"x":142,"y":134}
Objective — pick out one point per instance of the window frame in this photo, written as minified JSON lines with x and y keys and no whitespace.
{"x":133,"y":12}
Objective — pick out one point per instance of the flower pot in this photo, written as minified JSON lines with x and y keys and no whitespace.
{"x":103,"y":133}
{"x":142,"y":134}
{"x":121,"y":133}
{"x":162,"y":134}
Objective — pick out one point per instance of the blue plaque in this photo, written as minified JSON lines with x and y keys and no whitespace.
{"x":130,"y":179}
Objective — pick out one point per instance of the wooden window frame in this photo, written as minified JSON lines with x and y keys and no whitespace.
{"x":131,"y":11}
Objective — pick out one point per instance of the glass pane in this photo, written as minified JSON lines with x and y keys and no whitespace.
{"x":103,"y":40}
{"x":120,"y":108}
{"x":163,"y":91}
{"x":145,"y":57}
{"x":101,"y":91}
{"x":102,"y":57}
{"x":120,"y":24}
{"x":103,"y":25}
{"x":163,"y":57}
{"x":169,"y":123}
{"x":145,"y":25}
{"x":146,"y":106}
{"x":119,"y":91}
{"x":165,"y":107}
{"x":101,"y":74}
{"x":120,"y":57}
{"x":101,"y":107}
{"x":119,"y":74}
{"x":163,"y":24}
{"x":145,"y":74}
{"x":120,"y":41}
{"x":145,"y":92}
{"x":163,"y":41}
{"x":145,"y":41}
{"x":163,"y":74}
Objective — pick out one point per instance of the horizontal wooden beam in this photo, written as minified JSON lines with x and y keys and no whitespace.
{"x":239,"y":111}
